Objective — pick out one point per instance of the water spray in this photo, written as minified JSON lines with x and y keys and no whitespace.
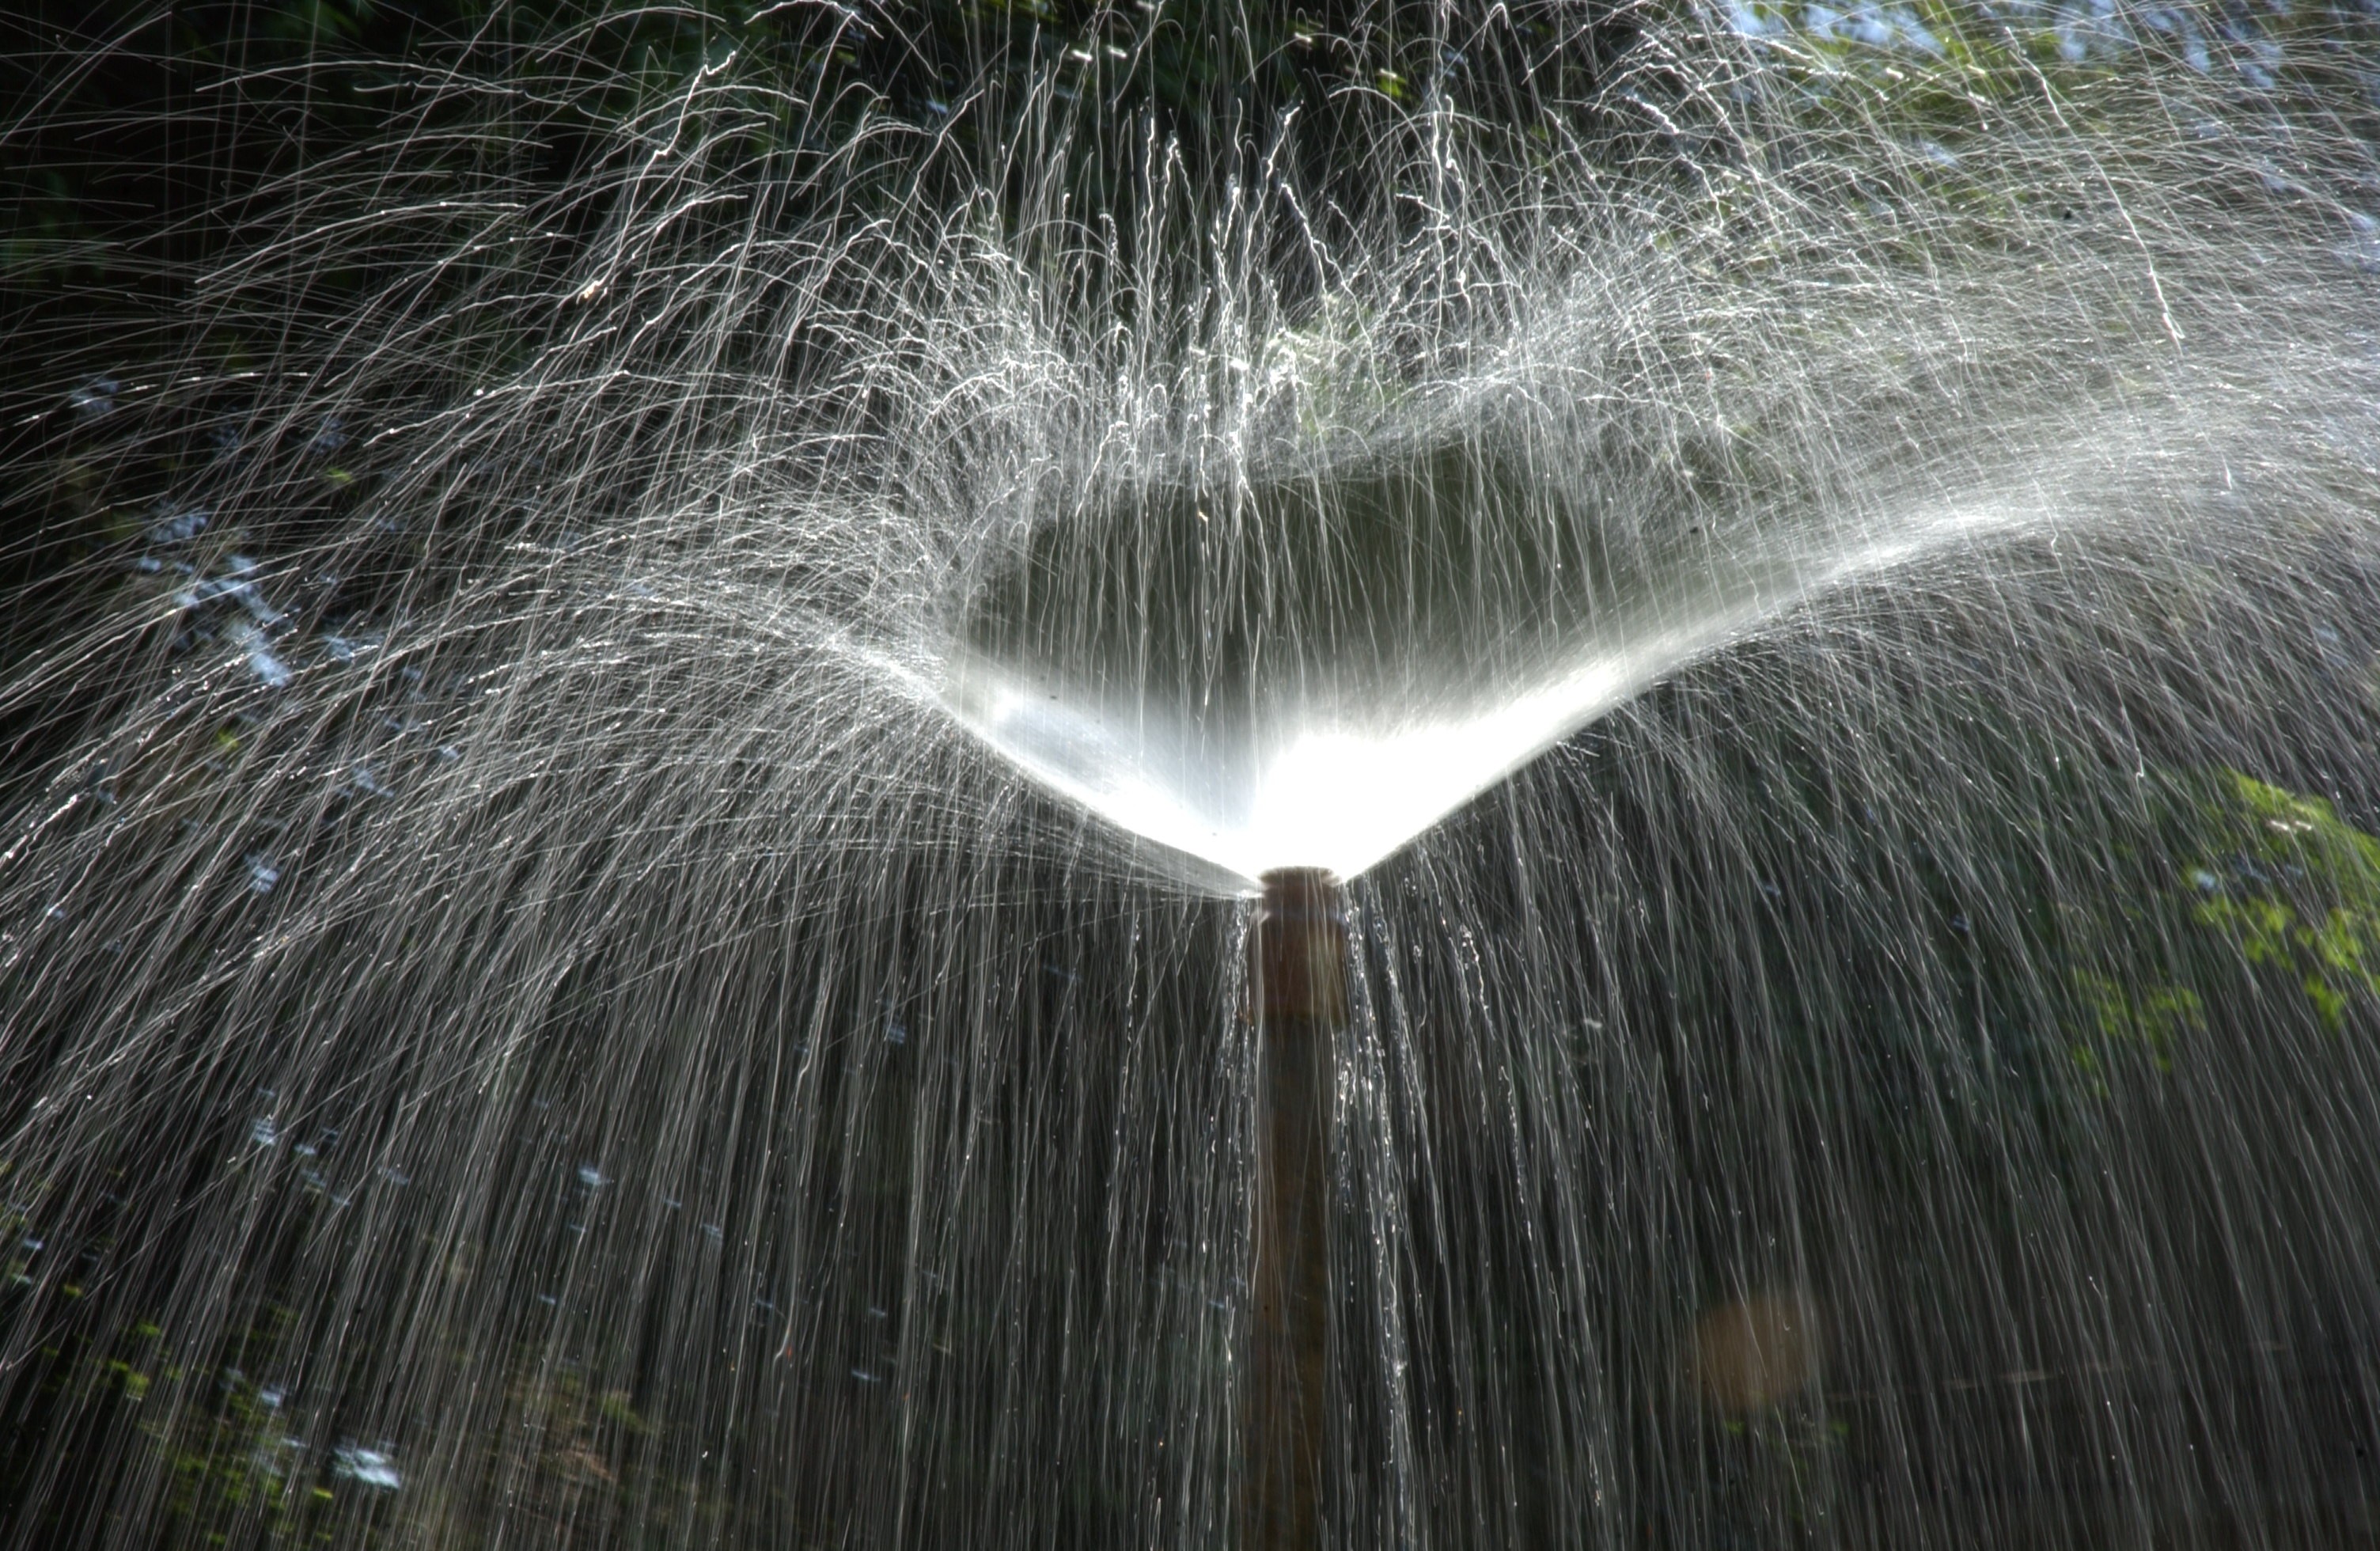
{"x":611,"y":923}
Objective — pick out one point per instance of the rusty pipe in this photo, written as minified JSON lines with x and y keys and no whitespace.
{"x":1298,"y":997}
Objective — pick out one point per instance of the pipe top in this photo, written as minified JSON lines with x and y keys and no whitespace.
{"x":1304,"y":890}
{"x":1297,"y":947}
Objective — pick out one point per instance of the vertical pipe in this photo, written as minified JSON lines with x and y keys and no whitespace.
{"x":1297,"y":994}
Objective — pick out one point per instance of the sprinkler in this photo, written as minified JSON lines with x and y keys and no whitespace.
{"x":1297,"y":995}
{"x":647,"y":688}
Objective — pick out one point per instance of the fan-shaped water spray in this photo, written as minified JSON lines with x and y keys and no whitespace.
{"x":1386,"y":666}
{"x":610,"y":909}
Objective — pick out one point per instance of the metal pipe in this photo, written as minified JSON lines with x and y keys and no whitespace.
{"x":1297,"y":995}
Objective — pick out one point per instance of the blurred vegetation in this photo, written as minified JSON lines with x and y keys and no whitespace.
{"x":2274,"y":898}
{"x":2294,"y":889}
{"x":150,"y":139}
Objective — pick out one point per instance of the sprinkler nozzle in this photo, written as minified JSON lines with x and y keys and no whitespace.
{"x":1297,"y":948}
